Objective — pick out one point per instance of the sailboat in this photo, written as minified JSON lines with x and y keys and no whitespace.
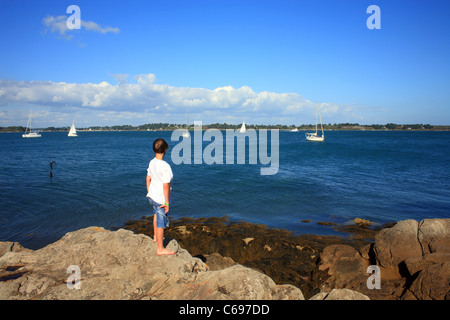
{"x":72,"y":131}
{"x":294,"y":130}
{"x":186,"y":133}
{"x":313,"y":136}
{"x":243,"y":129}
{"x":28,"y":133}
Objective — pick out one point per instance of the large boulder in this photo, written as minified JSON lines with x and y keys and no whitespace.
{"x":215,"y":261}
{"x":418,"y":263}
{"x":434,"y":235}
{"x":418,"y":253}
{"x":433,"y":282}
{"x":123,"y":265}
{"x":394,"y":245}
{"x":413,"y":257}
{"x":431,"y":276}
{"x":236,"y":282}
{"x":345,"y":266}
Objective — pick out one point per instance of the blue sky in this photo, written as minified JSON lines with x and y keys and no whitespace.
{"x":136,"y":62}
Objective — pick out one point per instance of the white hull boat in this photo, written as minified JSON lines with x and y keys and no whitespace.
{"x":28,"y":133}
{"x":186,"y":133}
{"x":313,"y":136}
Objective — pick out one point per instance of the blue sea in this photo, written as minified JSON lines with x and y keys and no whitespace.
{"x":99,"y":180}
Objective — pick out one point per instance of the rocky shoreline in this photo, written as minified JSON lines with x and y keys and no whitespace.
{"x":221,"y":259}
{"x":318,"y":264}
{"x":278,"y":253}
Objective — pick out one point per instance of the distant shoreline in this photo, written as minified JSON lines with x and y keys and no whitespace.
{"x":171,"y":127}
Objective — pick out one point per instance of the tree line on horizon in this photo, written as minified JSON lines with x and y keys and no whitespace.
{"x":223,"y":126}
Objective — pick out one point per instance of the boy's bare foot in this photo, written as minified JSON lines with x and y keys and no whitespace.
{"x":154,"y":240}
{"x":164,"y":252}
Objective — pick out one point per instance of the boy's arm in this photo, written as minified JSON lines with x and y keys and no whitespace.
{"x":166,"y":189}
{"x":149,"y":179}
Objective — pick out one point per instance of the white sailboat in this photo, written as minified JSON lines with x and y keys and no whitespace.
{"x":186,"y":133}
{"x":28,"y":133}
{"x":310,"y":136}
{"x":294,"y":130}
{"x":243,"y":128}
{"x":72,"y":131}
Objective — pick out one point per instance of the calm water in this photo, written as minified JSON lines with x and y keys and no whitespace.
{"x":99,"y":179}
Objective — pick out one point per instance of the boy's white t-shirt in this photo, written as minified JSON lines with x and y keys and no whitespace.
{"x":160,"y":172}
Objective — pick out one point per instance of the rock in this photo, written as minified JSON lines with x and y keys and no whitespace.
{"x":366,"y":251}
{"x":319,"y":296}
{"x":123,"y":265}
{"x":362,"y":222}
{"x":430,"y":276}
{"x":9,"y":246}
{"x":418,"y":263}
{"x":401,"y":250}
{"x":215,"y":261}
{"x":346,"y":267}
{"x":236,"y":283}
{"x":182,"y":230}
{"x":414,"y":261}
{"x":417,"y":254}
{"x":434,"y":235}
{"x":340,"y":294}
{"x":248,"y":240}
{"x":433,"y":282}
{"x":283,"y":256}
{"x":393,"y":245}
{"x":288,"y":292}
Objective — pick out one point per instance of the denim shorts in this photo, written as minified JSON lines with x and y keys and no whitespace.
{"x":162,"y":220}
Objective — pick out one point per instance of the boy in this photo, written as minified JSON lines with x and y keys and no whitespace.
{"x":159,"y":180}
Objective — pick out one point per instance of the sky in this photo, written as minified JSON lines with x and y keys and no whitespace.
{"x":262,"y":62}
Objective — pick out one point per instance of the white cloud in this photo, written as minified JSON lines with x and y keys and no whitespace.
{"x":92,"y":26}
{"x":59,"y":25}
{"x":56,"y":24}
{"x":144,"y":96}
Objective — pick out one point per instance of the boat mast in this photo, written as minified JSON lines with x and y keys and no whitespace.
{"x":321,"y":126}
{"x":317,"y":110}
{"x":28,"y":128}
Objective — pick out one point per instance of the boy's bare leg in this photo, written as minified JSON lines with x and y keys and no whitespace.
{"x":159,"y":238}
{"x":154,"y":229}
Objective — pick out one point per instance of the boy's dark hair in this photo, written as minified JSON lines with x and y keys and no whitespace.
{"x":160,"y":146}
